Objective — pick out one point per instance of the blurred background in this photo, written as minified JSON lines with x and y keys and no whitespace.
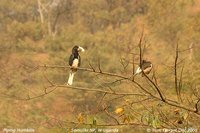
{"x":39,"y":32}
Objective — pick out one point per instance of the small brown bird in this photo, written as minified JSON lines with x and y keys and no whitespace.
{"x":146,"y":67}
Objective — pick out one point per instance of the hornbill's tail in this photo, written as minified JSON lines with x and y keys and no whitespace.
{"x":71,"y":77}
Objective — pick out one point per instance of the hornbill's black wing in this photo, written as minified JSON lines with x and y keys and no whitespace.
{"x":79,"y":61}
{"x":71,"y":59}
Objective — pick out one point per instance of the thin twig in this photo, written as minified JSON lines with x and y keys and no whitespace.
{"x":99,"y":65}
{"x":99,"y":90}
{"x":115,"y":119}
{"x":196,"y":105}
{"x":180,"y":83}
{"x":175,"y":72}
{"x":91,"y":66}
{"x":98,"y":105}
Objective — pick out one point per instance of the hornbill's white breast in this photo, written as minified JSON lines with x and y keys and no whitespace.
{"x":75,"y":63}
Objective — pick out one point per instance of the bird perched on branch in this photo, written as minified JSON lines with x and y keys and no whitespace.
{"x":146,"y":66}
{"x":74,"y":62}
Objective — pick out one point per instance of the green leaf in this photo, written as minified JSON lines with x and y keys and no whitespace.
{"x":94,"y":122}
{"x":156,"y":122}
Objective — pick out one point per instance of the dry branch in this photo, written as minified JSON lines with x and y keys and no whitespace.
{"x":166,"y":100}
{"x":141,"y":56}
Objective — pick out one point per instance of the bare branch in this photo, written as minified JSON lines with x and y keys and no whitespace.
{"x":167,"y":101}
{"x":99,"y":103}
{"x":112,"y":117}
{"x":141,"y":53}
{"x":99,"y":65}
{"x":133,"y":69}
{"x":99,"y":90}
{"x":180,"y":82}
{"x":84,"y":69}
{"x":196,"y":105}
{"x":91,"y":66}
{"x":124,"y":63}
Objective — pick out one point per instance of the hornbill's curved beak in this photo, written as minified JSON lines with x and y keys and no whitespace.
{"x":80,"y":49}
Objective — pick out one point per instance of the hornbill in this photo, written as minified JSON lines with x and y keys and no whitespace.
{"x":146,"y":67}
{"x":74,"y":62}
